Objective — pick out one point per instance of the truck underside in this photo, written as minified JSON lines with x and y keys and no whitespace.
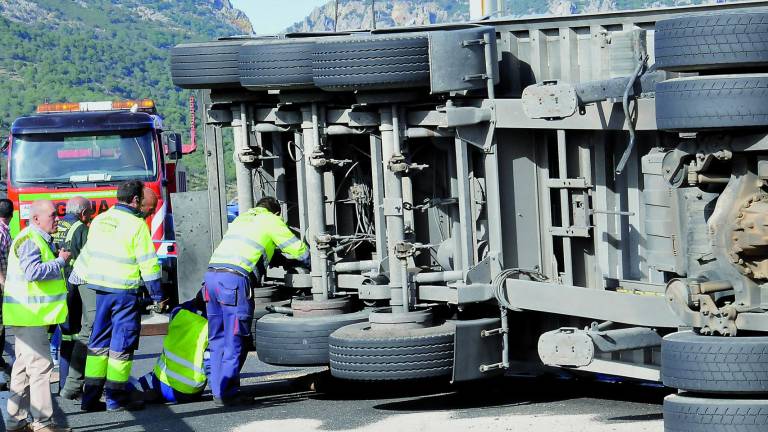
{"x":581,"y":192}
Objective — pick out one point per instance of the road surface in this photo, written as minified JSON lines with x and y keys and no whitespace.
{"x":287,"y":402}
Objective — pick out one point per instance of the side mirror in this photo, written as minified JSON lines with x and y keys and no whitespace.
{"x":172,"y":145}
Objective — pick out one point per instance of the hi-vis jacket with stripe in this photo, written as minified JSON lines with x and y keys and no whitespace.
{"x":181,"y":363}
{"x":253,"y":236}
{"x":119,"y":253}
{"x":32,"y":303}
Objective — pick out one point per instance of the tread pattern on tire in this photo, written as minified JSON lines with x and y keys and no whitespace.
{"x":283,"y":340}
{"x":712,"y":102}
{"x":691,"y":414}
{"x":276,"y":65}
{"x":726,"y":40}
{"x":709,"y":364}
{"x":372,"y":63}
{"x":358,"y":354}
{"x":206,"y":65}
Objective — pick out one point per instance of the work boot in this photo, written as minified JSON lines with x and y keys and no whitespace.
{"x":26,"y":427}
{"x":92,"y":398}
{"x":72,"y":395}
{"x":120,"y":400}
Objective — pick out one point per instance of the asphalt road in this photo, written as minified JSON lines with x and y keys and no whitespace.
{"x":286,"y":402}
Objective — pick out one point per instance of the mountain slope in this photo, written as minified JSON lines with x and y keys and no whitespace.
{"x":57,"y":50}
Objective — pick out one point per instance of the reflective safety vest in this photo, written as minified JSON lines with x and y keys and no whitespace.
{"x":181,"y":363}
{"x":36,"y":303}
{"x":255,"y":235}
{"x":119,"y":252}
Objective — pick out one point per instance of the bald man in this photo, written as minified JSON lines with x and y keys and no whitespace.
{"x":33,"y":299}
{"x":71,"y":235}
{"x":148,"y":203}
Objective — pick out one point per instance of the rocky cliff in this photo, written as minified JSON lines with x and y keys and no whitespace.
{"x":356,"y":14}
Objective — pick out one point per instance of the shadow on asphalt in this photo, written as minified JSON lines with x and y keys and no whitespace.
{"x":499,"y":392}
{"x":635,"y":418}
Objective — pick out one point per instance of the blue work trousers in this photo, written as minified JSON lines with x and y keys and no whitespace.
{"x":152,"y":390}
{"x":229,"y":305}
{"x":114,"y":338}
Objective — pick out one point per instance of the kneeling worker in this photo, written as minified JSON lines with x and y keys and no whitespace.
{"x":179,"y":375}
{"x":235,"y":268}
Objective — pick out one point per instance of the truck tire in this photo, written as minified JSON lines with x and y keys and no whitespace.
{"x":206,"y":65}
{"x":359,"y":353}
{"x":712,"y":364}
{"x":285,"y":340}
{"x":683,"y":413}
{"x":372,"y":62}
{"x":285,"y":64}
{"x":712,"y":102}
{"x":706,"y":42}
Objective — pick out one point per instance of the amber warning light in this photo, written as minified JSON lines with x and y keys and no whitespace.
{"x":143,"y":105}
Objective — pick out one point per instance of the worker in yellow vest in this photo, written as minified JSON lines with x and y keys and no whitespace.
{"x":35,"y":297}
{"x":180,"y":374}
{"x":117,"y":259}
{"x":236,"y":267}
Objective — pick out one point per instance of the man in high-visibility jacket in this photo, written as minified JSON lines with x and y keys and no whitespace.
{"x":35,"y":297}
{"x":235,"y":268}
{"x":118,"y":256}
{"x":180,"y":374}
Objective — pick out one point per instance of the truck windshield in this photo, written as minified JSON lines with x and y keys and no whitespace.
{"x":67,"y":158}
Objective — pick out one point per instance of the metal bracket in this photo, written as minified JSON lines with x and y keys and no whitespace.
{"x":473,"y":42}
{"x":318,"y":160}
{"x":405,"y":250}
{"x":475,"y":77}
{"x":398,"y":164}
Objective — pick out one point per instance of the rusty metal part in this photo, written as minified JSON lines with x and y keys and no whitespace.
{"x":692,"y":300}
{"x":307,"y":307}
{"x":749,"y":247}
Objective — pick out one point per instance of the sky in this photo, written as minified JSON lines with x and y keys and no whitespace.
{"x":273,"y":16}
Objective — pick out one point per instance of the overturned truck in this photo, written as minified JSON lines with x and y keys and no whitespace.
{"x":584,"y":192}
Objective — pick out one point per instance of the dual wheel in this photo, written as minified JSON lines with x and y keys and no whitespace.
{"x":354,"y":348}
{"x":729,"y":51}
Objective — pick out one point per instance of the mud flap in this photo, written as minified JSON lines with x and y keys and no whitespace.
{"x":471,"y":350}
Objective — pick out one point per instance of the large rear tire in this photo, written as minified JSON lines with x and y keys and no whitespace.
{"x":358,"y":352}
{"x":683,"y":413}
{"x":287,"y":340}
{"x":285,"y":64}
{"x":206,"y":65}
{"x":712,"y":102}
{"x":711,"y":364}
{"x":372,"y":62}
{"x":705,"y":42}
